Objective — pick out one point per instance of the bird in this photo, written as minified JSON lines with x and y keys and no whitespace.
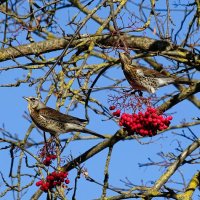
{"x":53,"y":121}
{"x":145,"y":79}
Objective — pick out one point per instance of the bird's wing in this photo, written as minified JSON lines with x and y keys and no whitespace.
{"x":152,"y":73}
{"x":145,"y":71}
{"x":50,"y":113}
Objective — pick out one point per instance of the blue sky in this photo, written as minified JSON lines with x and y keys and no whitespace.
{"x":127,"y":155}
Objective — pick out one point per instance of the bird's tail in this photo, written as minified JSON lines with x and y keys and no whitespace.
{"x":85,"y":130}
{"x":183,"y":81}
{"x":169,"y":80}
{"x":165,"y":81}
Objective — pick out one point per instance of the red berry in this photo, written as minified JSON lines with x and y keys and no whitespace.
{"x":139,"y":126}
{"x":158,"y":121}
{"x":147,"y":113}
{"x":65,"y":174}
{"x":54,"y":183}
{"x":153,"y":110}
{"x":112,"y":108}
{"x":165,"y":127}
{"x":141,"y":118}
{"x":46,"y":163}
{"x":124,"y":117}
{"x":47,"y":184}
{"x":58,"y":182}
{"x":42,"y":188}
{"x":149,"y":109}
{"x":146,"y":132}
{"x":48,"y":158}
{"x":38,"y":183}
{"x":155,"y":124}
{"x":54,"y":174}
{"x":133,"y":126}
{"x":154,"y":115}
{"x":53,"y":157}
{"x":140,"y":114}
{"x":135,"y":116}
{"x":141,"y":131}
{"x":169,"y":118}
{"x":67,"y":181}
{"x":149,"y":119}
{"x":50,"y":178}
{"x":62,"y":174}
{"x":117,"y":113}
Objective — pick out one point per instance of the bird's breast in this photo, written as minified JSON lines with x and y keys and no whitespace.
{"x":51,"y":125}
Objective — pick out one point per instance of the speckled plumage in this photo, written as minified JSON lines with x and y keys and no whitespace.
{"x":142,"y":78}
{"x":53,"y":121}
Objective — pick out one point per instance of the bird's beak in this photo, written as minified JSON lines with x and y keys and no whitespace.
{"x":26,"y":98}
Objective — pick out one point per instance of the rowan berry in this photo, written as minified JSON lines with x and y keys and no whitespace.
{"x":38,"y":183}
{"x":67,"y":181}
{"x":50,"y":178}
{"x":117,"y":113}
{"x":53,"y":157}
{"x":112,"y":108}
{"x":46,"y":162}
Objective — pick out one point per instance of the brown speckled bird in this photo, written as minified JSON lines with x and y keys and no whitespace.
{"x":53,"y":121}
{"x":142,"y":78}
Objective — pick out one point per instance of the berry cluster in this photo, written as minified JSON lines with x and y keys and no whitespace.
{"x":52,"y":180}
{"x":145,"y":124}
{"x":48,"y":159}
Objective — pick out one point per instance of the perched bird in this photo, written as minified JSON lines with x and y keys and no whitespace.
{"x":142,"y":78}
{"x":53,"y":121}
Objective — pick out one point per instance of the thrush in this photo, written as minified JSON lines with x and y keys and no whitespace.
{"x":53,"y":121}
{"x":142,"y":78}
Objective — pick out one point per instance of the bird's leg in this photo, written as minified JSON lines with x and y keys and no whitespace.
{"x":58,"y":149}
{"x":133,"y":92}
{"x":55,"y":138}
{"x":45,"y":142}
{"x":45,"y":138}
{"x":140,"y":93}
{"x":126,"y":91}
